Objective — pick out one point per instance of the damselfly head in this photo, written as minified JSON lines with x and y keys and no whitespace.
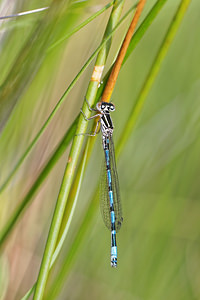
{"x":105,"y":107}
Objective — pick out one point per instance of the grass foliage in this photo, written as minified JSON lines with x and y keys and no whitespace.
{"x":157,"y":142}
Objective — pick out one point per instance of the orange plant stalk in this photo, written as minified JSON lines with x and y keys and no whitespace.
{"x":117,"y":66}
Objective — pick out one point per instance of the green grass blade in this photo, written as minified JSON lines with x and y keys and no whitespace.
{"x":84,"y":23}
{"x":144,"y":26}
{"x":29,"y":293}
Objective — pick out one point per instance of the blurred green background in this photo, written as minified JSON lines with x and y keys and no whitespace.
{"x":159,"y":169}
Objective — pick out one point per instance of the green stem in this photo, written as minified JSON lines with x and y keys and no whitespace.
{"x":143,"y":27}
{"x":71,"y":166}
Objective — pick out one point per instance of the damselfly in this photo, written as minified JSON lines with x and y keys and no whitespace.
{"x":109,"y":186}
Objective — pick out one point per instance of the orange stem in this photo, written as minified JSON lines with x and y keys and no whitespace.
{"x":117,"y":66}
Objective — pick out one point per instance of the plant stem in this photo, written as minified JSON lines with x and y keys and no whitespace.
{"x":72,"y":162}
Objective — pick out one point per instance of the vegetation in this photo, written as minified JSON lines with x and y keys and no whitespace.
{"x":46,"y":64}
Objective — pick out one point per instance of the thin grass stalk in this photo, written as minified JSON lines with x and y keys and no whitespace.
{"x":24,"y":13}
{"x":29,"y":293}
{"x":135,"y":40}
{"x":143,"y":27}
{"x":76,"y":29}
{"x":73,"y":160}
{"x":89,"y":216}
{"x":61,"y":100}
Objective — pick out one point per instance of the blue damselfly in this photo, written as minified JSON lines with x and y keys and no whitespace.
{"x":109,"y":186}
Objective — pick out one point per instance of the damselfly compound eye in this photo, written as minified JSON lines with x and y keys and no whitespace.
{"x":112,"y":107}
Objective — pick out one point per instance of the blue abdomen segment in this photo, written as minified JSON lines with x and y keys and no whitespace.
{"x":112,"y":216}
{"x":112,"y":212}
{"x":110,"y":196}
